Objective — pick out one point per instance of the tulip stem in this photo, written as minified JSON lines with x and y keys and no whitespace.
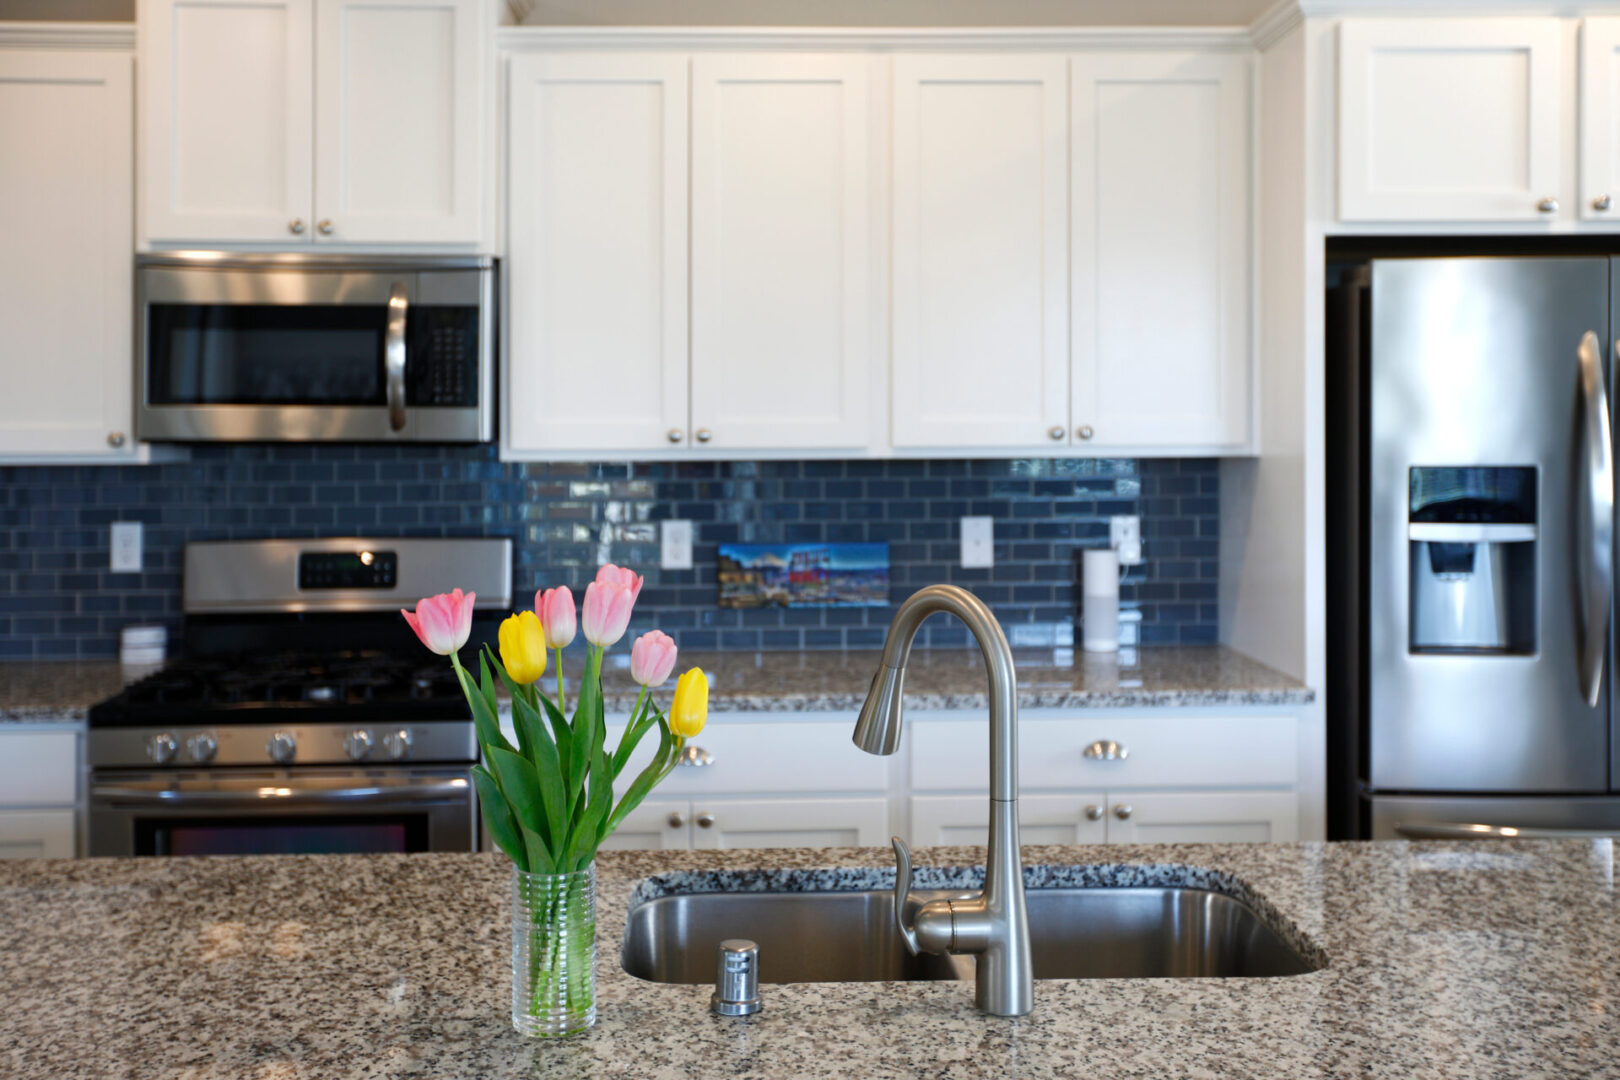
{"x":562,"y":694}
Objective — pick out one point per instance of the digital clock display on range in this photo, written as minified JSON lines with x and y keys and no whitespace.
{"x":347,"y":569}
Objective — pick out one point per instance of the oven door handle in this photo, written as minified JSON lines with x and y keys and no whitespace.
{"x":394,"y":354}
{"x":272,"y":794}
{"x":1445,"y":830}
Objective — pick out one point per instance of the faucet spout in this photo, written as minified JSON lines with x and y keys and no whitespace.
{"x":994,"y":925}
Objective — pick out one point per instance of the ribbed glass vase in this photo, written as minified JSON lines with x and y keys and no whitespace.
{"x":553,"y":952}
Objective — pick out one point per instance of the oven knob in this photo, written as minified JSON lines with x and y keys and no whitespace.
{"x":397,"y":743}
{"x":357,"y":744}
{"x":282,"y":746}
{"x":162,"y":748}
{"x":202,"y":747}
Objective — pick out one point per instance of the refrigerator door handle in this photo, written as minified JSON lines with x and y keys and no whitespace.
{"x":1597,"y":541}
{"x":1445,"y":830}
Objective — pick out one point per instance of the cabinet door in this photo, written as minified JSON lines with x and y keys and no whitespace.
{"x":225,"y":120}
{"x":597,"y":252}
{"x":66,"y":208}
{"x":763,"y":823}
{"x":780,"y":251}
{"x":1042,"y":819}
{"x":36,"y":834}
{"x":1448,"y":119}
{"x":1160,"y":312}
{"x":1600,"y":119}
{"x":398,"y":118}
{"x":656,"y":825}
{"x":1223,"y":817}
{"x":980,"y":251}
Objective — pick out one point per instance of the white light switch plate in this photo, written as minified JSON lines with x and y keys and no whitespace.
{"x":978,"y":541}
{"x":675,"y":545}
{"x":126,"y":546}
{"x":1125,"y":537}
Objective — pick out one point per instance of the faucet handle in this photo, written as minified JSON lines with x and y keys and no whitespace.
{"x":902,"y":889}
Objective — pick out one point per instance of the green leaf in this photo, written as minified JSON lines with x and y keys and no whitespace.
{"x":540,"y":860}
{"x":588,"y":711}
{"x":521,"y":787}
{"x":485,"y":719}
{"x":582,"y":846}
{"x":631,"y":738}
{"x":559,"y":729}
{"x":644,"y":782}
{"x":498,"y":817}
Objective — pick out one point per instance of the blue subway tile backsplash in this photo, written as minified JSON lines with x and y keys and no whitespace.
{"x":59,"y":599}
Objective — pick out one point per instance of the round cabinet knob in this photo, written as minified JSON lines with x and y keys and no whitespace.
{"x":705,"y":821}
{"x":1085,"y":431}
{"x":704,"y":434}
{"x":282,"y":747}
{"x":1548,"y":205}
{"x":676,"y":434}
{"x":1123,"y":811}
{"x":202,"y":747}
{"x":324,"y":226}
{"x":162,"y":748}
{"x":397,"y":744}
{"x":1094,"y":812}
{"x":357,"y":744}
{"x":115,"y":438}
{"x":676,"y":820}
{"x":1056,"y":433}
{"x":1602,"y":202}
{"x":296,"y":226}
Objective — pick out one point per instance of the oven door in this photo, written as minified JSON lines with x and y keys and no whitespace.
{"x":271,"y":349}
{"x":281,"y":812}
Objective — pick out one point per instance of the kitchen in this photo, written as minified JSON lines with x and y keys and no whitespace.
{"x":709,"y":294}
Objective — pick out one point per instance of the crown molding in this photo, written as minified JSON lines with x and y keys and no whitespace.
{"x":526,"y":38}
{"x":1313,"y":9}
{"x":1274,"y":23}
{"x":67,"y":35}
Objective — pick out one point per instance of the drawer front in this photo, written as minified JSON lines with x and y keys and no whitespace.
{"x":1160,"y":751}
{"x":773,"y":757}
{"x":36,"y":834}
{"x":39,"y":768}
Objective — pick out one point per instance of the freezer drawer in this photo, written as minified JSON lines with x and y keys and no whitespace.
{"x":1405,"y":817}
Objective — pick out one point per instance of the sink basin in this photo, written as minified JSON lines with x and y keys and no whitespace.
{"x":1078,"y":933}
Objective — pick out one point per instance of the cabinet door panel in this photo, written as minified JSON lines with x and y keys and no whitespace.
{"x":398,"y":114}
{"x":226,"y":124}
{"x":1448,"y":119}
{"x":765,"y":823}
{"x":66,"y":208}
{"x":780,"y":250}
{"x":1042,"y":819}
{"x":1600,"y":119}
{"x":1160,"y":314}
{"x":980,"y":251}
{"x":1215,"y":818}
{"x":45,"y":834}
{"x":598,"y":248}
{"x":767,"y":757}
{"x":652,"y":826}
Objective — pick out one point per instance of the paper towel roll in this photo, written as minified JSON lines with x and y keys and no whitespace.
{"x":1099,"y":612}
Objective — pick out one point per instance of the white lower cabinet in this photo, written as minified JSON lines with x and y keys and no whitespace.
{"x":1202,"y":817}
{"x":38,"y":794}
{"x":655,"y":825}
{"x":762,"y":823}
{"x":36,"y":834}
{"x":1042,"y":819}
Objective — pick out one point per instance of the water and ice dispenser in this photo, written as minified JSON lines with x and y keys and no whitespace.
{"x":1472,"y":534}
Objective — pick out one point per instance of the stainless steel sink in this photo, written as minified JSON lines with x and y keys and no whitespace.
{"x":1104,"y":933}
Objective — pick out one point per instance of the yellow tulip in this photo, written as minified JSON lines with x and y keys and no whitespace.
{"x":523,"y":647}
{"x":691,"y":706}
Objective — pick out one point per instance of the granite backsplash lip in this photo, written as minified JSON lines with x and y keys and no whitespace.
{"x":48,"y":691}
{"x":1455,"y":961}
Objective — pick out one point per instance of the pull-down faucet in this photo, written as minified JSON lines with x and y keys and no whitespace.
{"x":993,"y":925}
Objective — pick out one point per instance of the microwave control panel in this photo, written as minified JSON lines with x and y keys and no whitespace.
{"x":442,"y":357}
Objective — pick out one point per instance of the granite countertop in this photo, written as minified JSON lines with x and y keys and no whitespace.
{"x":1448,"y":961}
{"x":58,"y":691}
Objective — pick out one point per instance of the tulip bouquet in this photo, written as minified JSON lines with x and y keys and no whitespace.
{"x":549,"y":800}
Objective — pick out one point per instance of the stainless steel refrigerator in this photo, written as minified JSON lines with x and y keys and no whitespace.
{"x":1471,"y":546}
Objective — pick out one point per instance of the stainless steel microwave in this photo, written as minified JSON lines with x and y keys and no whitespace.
{"x":315,"y":348}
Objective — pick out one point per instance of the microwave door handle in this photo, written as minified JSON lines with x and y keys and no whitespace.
{"x":1597,"y":539}
{"x":394,"y":355}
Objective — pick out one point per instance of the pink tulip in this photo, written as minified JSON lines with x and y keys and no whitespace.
{"x":556,"y":610}
{"x":619,"y":575}
{"x":652,"y":658}
{"x":606,"y":612}
{"x":443,"y":622}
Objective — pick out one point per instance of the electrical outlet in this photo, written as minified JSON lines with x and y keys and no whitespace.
{"x":675,"y":545}
{"x":978,"y":541}
{"x":1125,"y":537}
{"x":126,"y":547}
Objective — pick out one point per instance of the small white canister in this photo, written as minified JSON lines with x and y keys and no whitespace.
{"x":1099,"y":609}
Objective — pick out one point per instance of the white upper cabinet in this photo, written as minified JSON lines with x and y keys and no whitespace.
{"x":398,"y":120}
{"x":226,"y":130}
{"x":781,"y":246}
{"x":1600,"y":119}
{"x":1160,"y":312}
{"x":596,"y":275}
{"x":298,"y":121}
{"x":66,"y":216}
{"x":980,"y":251}
{"x":1449,"y":119}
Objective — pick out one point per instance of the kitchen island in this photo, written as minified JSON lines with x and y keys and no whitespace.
{"x":1434,"y":960}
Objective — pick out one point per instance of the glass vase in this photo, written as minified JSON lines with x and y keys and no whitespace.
{"x":553,"y":952}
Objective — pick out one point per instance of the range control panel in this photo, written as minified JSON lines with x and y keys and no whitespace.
{"x":347,"y":569}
